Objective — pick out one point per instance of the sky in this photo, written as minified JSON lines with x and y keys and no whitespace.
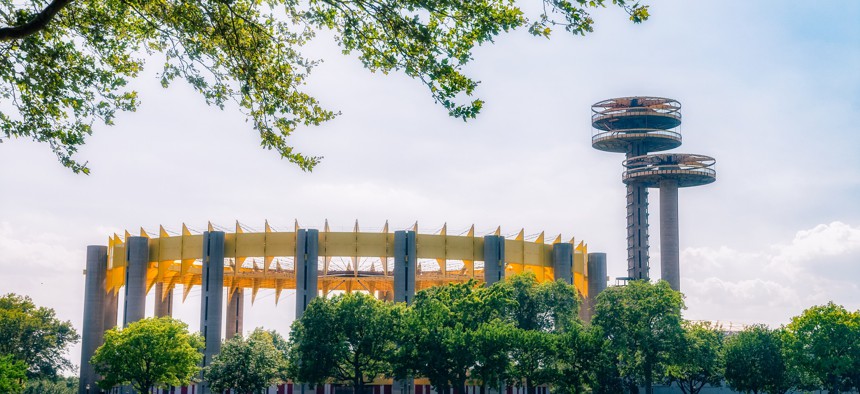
{"x":771,"y":89}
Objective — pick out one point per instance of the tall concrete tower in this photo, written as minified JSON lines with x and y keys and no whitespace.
{"x":637,"y":126}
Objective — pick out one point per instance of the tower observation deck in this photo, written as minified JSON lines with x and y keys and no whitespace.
{"x":637,"y":126}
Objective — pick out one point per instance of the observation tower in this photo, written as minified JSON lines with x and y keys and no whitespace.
{"x":637,"y":126}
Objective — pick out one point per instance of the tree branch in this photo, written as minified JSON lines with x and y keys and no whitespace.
{"x":39,"y":22}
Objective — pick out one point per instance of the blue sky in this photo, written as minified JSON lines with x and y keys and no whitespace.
{"x":769,"y":88}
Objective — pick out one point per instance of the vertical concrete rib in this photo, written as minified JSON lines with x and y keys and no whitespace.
{"x":137,"y":258}
{"x":211,"y":298}
{"x":111,"y":308}
{"x":405,"y":266}
{"x":163,"y":305}
{"x":494,"y":259}
{"x":235,"y":313}
{"x":637,"y":224}
{"x":92,"y":333}
{"x":562,"y":261}
{"x":405,"y":269}
{"x":670,"y":265}
{"x":307,"y":253}
{"x":596,"y":279}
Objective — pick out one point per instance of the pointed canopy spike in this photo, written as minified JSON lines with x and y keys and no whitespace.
{"x":444,"y":230}
{"x":385,"y":228}
{"x":472,"y":231}
{"x":297,"y":225}
{"x":356,"y":226}
{"x":239,"y":228}
{"x":326,"y":227}
{"x":498,"y":231}
{"x":557,"y":239}
{"x":143,"y":233}
{"x":162,"y":232}
{"x":268,"y":228}
{"x":211,"y":228}
{"x":573,"y":240}
{"x":127,"y":235}
{"x":185,"y":230}
{"x":539,"y":239}
{"x":521,"y":235}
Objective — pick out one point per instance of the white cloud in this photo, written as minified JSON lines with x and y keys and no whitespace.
{"x":772,"y":285}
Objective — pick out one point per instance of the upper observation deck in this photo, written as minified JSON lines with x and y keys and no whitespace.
{"x":648,"y":121}
{"x":687,"y":169}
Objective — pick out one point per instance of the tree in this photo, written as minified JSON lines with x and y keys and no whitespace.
{"x":824,"y":342}
{"x":61,"y":385}
{"x":35,"y":336}
{"x":438,"y":338}
{"x":533,"y":358}
{"x":349,"y":338}
{"x":13,"y":374}
{"x":578,"y":350}
{"x":247,"y":366}
{"x":66,"y":65}
{"x":641,"y":323}
{"x":152,"y":352}
{"x":698,"y":359}
{"x":755,"y":362}
{"x":547,"y":306}
{"x":492,"y":343}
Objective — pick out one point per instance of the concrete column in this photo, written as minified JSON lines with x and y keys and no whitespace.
{"x":307,"y":254}
{"x":235,"y":313}
{"x":137,"y":258}
{"x":562,"y":261}
{"x":637,"y":232}
{"x":405,"y":262}
{"x":596,"y":280}
{"x":211,"y":298}
{"x":670,"y":265}
{"x":111,"y":308}
{"x":163,"y":306}
{"x":494,"y":259}
{"x":405,"y":270}
{"x":92,"y":333}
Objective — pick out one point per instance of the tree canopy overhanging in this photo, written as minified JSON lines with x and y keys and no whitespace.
{"x":65,"y":65}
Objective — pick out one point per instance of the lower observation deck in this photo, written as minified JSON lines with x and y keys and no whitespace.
{"x":651,"y":140}
{"x":348,"y":260}
{"x":687,"y":169}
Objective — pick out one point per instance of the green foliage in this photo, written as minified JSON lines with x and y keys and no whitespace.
{"x":349,"y":338}
{"x":577,"y":354}
{"x":153,"y":352}
{"x":13,"y":374}
{"x":63,"y":76}
{"x":492,"y":345}
{"x":755,"y":361}
{"x":548,"y":306}
{"x":60,"y":385}
{"x":34,"y":336}
{"x":248,"y":365}
{"x":698,"y":358}
{"x":824,"y":344}
{"x":533,"y":355}
{"x":641,"y":323}
{"x":442,"y":326}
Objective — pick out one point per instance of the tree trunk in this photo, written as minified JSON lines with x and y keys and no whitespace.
{"x":649,"y":388}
